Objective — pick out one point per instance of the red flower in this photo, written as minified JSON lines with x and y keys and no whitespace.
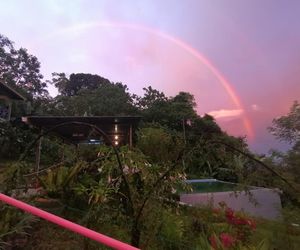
{"x":227,"y":240}
{"x":230,"y":216}
{"x":213,"y":241}
{"x":240,"y":221}
{"x":229,"y":213}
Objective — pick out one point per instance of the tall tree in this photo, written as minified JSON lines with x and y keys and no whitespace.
{"x":151,"y":96}
{"x":170,"y":112}
{"x":287,"y":127}
{"x":86,"y":94}
{"x":77,"y":82}
{"x":18,"y":67}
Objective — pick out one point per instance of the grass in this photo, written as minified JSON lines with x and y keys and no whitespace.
{"x":279,"y":235}
{"x":46,"y":236}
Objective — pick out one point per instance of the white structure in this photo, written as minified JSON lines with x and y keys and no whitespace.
{"x":258,"y":202}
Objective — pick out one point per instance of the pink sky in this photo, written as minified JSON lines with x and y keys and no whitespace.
{"x":254,"y":44}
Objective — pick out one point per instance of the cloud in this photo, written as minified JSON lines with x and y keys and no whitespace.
{"x":226,"y":113}
{"x":255,"y":107}
{"x":78,"y":58}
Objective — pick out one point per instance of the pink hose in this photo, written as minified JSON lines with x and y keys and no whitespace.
{"x":67,"y":224}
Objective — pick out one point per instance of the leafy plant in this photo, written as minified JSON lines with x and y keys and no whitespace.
{"x":13,"y":224}
{"x":58,"y":181}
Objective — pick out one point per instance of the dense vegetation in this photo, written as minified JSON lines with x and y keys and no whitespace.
{"x":134,"y":199}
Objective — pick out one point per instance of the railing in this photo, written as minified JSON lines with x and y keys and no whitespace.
{"x":110,"y":242}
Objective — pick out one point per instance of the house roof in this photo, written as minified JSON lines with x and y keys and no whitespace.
{"x":6,"y":90}
{"x":75,"y":129}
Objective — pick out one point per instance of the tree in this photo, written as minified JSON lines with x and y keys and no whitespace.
{"x":129,"y":196}
{"x":77,"y":82}
{"x":18,"y":67}
{"x":287,"y":127}
{"x":86,"y":94}
{"x":160,"y":145}
{"x":286,"y":164}
{"x":178,"y":114}
{"x":293,"y":159}
{"x":110,"y":99}
{"x":21,"y":71}
{"x":171,"y":112}
{"x":150,"y":97}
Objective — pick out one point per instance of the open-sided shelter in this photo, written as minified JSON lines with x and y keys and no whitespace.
{"x":116,"y":130}
{"x":83,"y":129}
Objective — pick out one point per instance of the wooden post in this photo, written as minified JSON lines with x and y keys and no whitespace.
{"x":38,"y":153}
{"x":76,"y":151}
{"x":9,"y":110}
{"x":63,"y":151}
{"x":130,"y":136}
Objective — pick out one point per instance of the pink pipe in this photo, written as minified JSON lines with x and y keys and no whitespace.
{"x":67,"y":224}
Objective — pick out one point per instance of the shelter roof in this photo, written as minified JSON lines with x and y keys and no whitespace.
{"x":75,"y":129}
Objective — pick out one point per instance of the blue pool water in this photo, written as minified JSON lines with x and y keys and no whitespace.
{"x":211,"y":186}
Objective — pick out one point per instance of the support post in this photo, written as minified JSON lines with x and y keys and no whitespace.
{"x":130,"y":136}
{"x":63,"y":151}
{"x":76,"y":151}
{"x":38,"y":153}
{"x":9,"y":110}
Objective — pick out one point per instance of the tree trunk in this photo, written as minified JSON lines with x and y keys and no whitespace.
{"x":135,"y":235}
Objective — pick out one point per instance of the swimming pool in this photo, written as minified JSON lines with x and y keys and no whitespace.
{"x":263,"y":202}
{"x":211,"y":186}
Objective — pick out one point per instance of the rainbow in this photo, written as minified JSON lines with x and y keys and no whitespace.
{"x":181,"y":44}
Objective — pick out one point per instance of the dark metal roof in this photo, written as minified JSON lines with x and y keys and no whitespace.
{"x":9,"y":92}
{"x":74,"y":129}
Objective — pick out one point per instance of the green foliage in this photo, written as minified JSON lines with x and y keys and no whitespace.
{"x":170,"y":112}
{"x":291,"y":162}
{"x":86,"y":94}
{"x":287,"y":127}
{"x":171,"y":231}
{"x":59,"y":181}
{"x":52,"y":148}
{"x":159,"y":145}
{"x":77,"y":82}
{"x":128,"y":193}
{"x":209,"y":158}
{"x":13,"y":224}
{"x":278,"y":235}
{"x":13,"y":139}
{"x":204,"y":127}
{"x":12,"y":177}
{"x":150,"y":98}
{"x":18,"y":66}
